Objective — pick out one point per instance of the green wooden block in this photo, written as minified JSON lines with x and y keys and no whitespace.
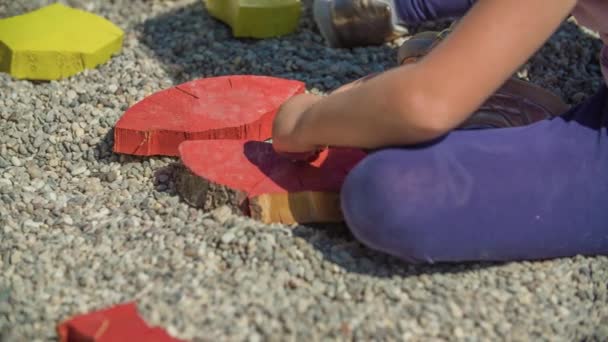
{"x":55,"y":42}
{"x":257,"y":18}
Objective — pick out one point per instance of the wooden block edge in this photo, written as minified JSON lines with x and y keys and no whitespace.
{"x":299,"y":207}
{"x":286,"y":208}
{"x":207,"y":195}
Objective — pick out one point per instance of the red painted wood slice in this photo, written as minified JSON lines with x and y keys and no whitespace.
{"x":261,"y":178}
{"x":225,"y":107}
{"x":115,"y":324}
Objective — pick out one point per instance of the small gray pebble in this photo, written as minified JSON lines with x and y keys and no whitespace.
{"x":15,"y":161}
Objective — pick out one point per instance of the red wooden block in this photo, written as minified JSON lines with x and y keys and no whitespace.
{"x":225,"y":107}
{"x":116,"y":324}
{"x":250,"y":175}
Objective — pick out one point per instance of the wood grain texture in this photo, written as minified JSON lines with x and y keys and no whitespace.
{"x":225,"y":107}
{"x":251,"y":178}
{"x":257,"y":18}
{"x":56,"y":42}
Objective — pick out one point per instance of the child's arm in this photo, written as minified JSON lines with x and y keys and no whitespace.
{"x":419,"y":102}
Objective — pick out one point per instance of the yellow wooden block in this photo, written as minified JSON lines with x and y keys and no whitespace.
{"x":55,"y":42}
{"x":257,"y":18}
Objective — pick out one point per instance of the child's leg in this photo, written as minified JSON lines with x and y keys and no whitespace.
{"x":418,"y":11}
{"x":531,"y":192}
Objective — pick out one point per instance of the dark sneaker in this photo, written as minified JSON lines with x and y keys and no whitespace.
{"x":419,"y":45}
{"x":516,"y":103}
{"x":352,"y":23}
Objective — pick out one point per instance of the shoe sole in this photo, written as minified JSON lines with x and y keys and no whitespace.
{"x":531,"y":92}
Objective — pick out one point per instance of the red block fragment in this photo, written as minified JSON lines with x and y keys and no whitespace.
{"x":116,"y":324}
{"x":225,"y":107}
{"x":277,"y":189}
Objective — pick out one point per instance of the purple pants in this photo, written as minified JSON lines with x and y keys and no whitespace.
{"x":418,"y":11}
{"x":523,"y":193}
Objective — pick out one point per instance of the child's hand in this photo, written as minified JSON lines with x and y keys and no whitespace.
{"x":285,"y":139}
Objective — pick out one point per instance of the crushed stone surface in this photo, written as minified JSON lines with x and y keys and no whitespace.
{"x":82,"y":228}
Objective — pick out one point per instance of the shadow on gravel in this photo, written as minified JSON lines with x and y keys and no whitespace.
{"x":103,"y":149}
{"x":340,"y":247}
{"x":164,"y":180}
{"x":567,"y":64}
{"x":192,"y":44}
{"x":104,"y":152}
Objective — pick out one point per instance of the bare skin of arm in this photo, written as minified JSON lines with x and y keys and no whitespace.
{"x":419,"y":102}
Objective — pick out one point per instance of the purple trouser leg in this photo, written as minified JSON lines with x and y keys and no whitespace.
{"x":418,"y":11}
{"x":523,"y":193}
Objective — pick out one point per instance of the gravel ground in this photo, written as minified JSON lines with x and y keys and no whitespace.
{"x":82,"y":228}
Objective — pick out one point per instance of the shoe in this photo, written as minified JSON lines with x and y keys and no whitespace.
{"x":352,"y":23}
{"x":516,"y":103}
